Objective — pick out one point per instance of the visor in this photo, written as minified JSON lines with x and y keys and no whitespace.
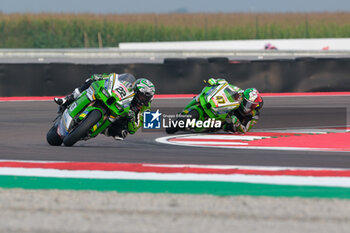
{"x":248,"y":105}
{"x":144,"y":98}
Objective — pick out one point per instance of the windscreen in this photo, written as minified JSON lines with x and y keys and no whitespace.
{"x":127,"y":78}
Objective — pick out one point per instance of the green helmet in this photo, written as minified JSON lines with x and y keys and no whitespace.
{"x":144,"y":91}
{"x":251,"y":100}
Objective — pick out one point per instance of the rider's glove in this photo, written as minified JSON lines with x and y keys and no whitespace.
{"x":96,"y":77}
{"x":213,"y":81}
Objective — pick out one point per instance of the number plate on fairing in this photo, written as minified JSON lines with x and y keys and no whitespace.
{"x":221,"y":100}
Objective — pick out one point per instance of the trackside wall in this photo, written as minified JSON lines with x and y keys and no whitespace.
{"x":299,"y":75}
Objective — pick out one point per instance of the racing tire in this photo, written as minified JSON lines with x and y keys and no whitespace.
{"x":196,"y":60}
{"x":83,"y":129}
{"x":218,"y":60}
{"x":174,"y":61}
{"x":305,"y":59}
{"x":53,"y":138}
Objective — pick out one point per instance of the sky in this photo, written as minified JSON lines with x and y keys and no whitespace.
{"x":166,"y":6}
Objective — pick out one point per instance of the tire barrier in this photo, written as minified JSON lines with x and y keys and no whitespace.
{"x":218,"y":60}
{"x":182,"y":77}
{"x":174,"y":60}
{"x":196,"y":60}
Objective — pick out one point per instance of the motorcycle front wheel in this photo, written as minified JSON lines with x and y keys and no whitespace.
{"x":83,"y":129}
{"x":53,"y":138}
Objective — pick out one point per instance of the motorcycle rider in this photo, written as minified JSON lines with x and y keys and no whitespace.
{"x":240,"y":119}
{"x":142,"y":91}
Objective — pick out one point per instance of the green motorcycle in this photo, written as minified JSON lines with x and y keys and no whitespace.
{"x":213,"y":104}
{"x":103,"y":103}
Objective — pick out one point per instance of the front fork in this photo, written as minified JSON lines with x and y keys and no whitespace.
{"x":101,"y":125}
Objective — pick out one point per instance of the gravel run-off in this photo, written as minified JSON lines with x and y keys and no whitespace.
{"x":92,"y":211}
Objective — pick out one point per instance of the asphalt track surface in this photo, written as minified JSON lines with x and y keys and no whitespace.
{"x":23,"y":127}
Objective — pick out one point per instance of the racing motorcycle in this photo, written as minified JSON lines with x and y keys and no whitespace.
{"x":94,"y":111}
{"x":211,"y":106}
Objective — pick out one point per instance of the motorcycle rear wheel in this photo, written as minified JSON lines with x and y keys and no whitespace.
{"x":83,"y":129}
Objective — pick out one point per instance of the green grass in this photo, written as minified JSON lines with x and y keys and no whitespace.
{"x":184,"y":187}
{"x":78,"y":31}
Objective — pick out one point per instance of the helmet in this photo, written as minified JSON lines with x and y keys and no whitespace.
{"x":144,"y":91}
{"x":251,"y":100}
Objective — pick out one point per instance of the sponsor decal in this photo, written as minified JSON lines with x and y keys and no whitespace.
{"x":73,"y":106}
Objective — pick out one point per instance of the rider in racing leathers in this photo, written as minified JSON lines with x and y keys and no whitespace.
{"x":247,"y":115}
{"x":142,"y":90}
{"x":240,"y":119}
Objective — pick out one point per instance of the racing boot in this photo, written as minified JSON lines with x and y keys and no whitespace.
{"x":67,"y":100}
{"x":121,"y":135}
{"x":118,"y":137}
{"x":117,"y":131}
{"x":233,"y":125}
